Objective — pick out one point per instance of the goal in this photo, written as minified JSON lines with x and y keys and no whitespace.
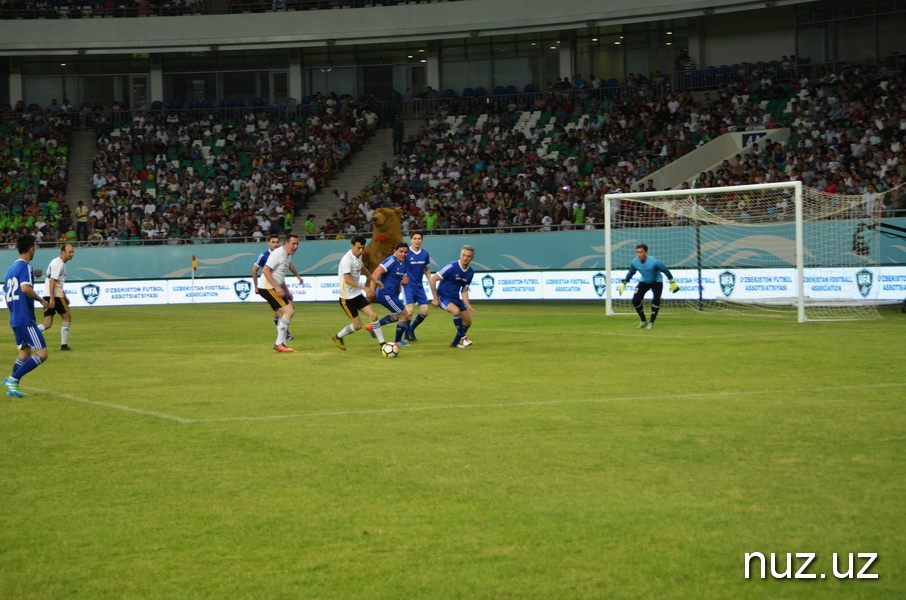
{"x":774,"y":249}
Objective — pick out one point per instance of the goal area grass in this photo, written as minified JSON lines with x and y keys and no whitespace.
{"x":566,"y":454}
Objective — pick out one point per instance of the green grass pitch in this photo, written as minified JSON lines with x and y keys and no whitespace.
{"x":173,"y":454}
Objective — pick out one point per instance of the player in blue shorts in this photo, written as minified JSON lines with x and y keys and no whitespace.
{"x":390,"y":277}
{"x":418,"y":266}
{"x":20,"y":295}
{"x":649,"y":269}
{"x":450,"y":287}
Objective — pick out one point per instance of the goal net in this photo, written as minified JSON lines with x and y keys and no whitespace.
{"x":777,"y":249}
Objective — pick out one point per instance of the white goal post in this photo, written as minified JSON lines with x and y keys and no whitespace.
{"x":778,"y":249}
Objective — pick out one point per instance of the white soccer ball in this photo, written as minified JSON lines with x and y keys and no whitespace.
{"x":390,"y":350}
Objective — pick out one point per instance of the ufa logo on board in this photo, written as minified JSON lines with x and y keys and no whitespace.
{"x":599,"y":280}
{"x":727,"y":283}
{"x":487,"y":284}
{"x":864,"y":280}
{"x":243,"y":289}
{"x":91,"y":293}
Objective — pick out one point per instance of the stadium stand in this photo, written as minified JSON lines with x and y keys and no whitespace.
{"x":87,"y":9}
{"x":510,"y":162}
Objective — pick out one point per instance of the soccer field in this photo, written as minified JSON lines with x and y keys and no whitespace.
{"x":173,"y":454}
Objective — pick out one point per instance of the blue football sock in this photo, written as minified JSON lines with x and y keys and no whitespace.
{"x":29,"y":365}
{"x":418,"y":321}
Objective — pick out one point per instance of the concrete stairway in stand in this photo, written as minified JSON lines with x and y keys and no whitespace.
{"x":365,"y":164}
{"x":81,"y":156}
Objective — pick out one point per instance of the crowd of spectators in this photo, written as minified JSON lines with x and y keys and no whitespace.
{"x":86,"y":9}
{"x":34,"y":162}
{"x":847,"y":138}
{"x":201,"y":176}
{"x":478,"y":175}
{"x":171,"y":177}
{"x":78,"y":9}
{"x":196,"y":177}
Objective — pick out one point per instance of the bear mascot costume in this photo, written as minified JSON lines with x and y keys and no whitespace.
{"x":386,"y":231}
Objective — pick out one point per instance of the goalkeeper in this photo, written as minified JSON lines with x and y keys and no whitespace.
{"x":650,"y":269}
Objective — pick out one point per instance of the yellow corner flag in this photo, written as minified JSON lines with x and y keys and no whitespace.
{"x":194,"y":263}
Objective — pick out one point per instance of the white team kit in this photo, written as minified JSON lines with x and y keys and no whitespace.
{"x":56,"y":270}
{"x":53,"y":286}
{"x":352,"y":264}
{"x":278,"y":261}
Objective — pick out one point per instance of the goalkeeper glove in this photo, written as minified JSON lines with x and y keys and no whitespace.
{"x":674,"y":287}
{"x":623,"y":286}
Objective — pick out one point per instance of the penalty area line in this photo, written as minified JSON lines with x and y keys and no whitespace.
{"x":440,"y":407}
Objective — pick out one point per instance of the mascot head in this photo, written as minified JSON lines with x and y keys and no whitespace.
{"x":386,"y":222}
{"x":386,"y":232}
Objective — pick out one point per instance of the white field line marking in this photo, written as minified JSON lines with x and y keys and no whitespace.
{"x":122,"y":407}
{"x":667,"y":333}
{"x":405,"y":409}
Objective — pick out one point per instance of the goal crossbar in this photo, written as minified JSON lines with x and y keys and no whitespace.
{"x":780,"y":232}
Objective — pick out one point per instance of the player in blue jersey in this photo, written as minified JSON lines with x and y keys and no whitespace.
{"x":450,"y":287}
{"x":273,"y":242}
{"x":418,"y":266}
{"x":389,"y":278}
{"x":649,"y":269}
{"x":20,"y":295}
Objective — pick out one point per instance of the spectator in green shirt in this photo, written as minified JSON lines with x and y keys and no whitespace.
{"x":578,"y":214}
{"x":431,"y":219}
{"x":288,"y":222}
{"x":69,"y":236}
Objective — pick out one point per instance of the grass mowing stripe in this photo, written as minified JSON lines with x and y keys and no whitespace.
{"x":613,"y":463}
{"x":439,"y":407}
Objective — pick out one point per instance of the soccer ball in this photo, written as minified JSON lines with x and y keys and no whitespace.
{"x":390,"y":351}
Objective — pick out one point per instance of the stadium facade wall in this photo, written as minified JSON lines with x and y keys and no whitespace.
{"x":367,"y":25}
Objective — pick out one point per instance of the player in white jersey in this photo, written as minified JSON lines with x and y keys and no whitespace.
{"x":272,"y":287}
{"x":55,"y":296}
{"x":353,"y":295}
{"x":273,"y":241}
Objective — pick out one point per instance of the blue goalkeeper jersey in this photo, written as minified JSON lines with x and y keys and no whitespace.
{"x":453,"y":278}
{"x":650,"y":270}
{"x":21,"y":307}
{"x":392,"y":278}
